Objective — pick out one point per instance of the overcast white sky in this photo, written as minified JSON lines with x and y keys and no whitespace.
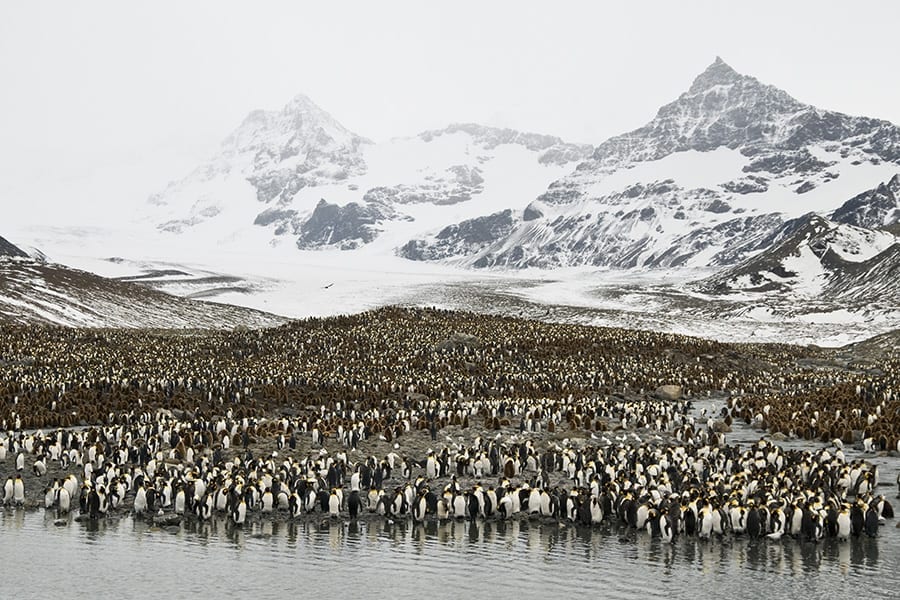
{"x":105,"y":102}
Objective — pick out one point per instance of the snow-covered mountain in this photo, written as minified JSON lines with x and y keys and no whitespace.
{"x":708,"y":182}
{"x":713,"y":176}
{"x":793,"y":210}
{"x":299,"y":176}
{"x":270,"y":157}
{"x":37,"y":292}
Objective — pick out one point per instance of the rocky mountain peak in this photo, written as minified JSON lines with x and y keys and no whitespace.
{"x":301,"y":103}
{"x":300,"y":124}
{"x":718,"y":73}
{"x":724,"y":108}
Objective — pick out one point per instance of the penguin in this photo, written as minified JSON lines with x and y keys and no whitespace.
{"x":18,"y":491}
{"x":8,"y":490}
{"x":420,"y":508}
{"x":857,"y":519}
{"x":844,"y":526}
{"x":239,"y":514}
{"x":323,"y":499}
{"x":490,"y":502}
{"x":548,"y":505}
{"x":180,"y":501}
{"x":884,"y":508}
{"x":737,"y":517}
{"x":20,"y":461}
{"x":596,"y":511}
{"x":753,"y":525}
{"x":572,"y":506}
{"x":460,"y":506}
{"x":534,"y":501}
{"x":666,"y":528}
{"x":93,"y":504}
{"x":719,"y":521}
{"x":443,"y":507}
{"x":353,"y":504}
{"x":70,"y":483}
{"x":397,"y":505}
{"x":689,"y":519}
{"x":642,"y":516}
{"x":49,"y":496}
{"x":221,"y":499}
{"x":373,"y":497}
{"x":504,"y":506}
{"x":204,"y":507}
{"x":777,"y":521}
{"x":871,"y":522}
{"x":63,"y":500}
{"x":474,"y":507}
{"x":334,"y":505}
{"x":39,"y":468}
{"x":295,"y":505}
{"x":267,"y":501}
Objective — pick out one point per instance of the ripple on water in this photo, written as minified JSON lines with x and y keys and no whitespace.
{"x":520,"y":558}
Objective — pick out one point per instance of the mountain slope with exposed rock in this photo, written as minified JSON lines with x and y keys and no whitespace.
{"x":8,"y":249}
{"x":298,"y":176}
{"x":713,"y":176}
{"x":821,"y":260}
{"x":38,"y":292}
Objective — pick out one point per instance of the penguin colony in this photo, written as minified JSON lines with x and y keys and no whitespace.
{"x":349,"y":417}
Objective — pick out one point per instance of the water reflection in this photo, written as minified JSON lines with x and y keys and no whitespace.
{"x":610,"y":557}
{"x":541,"y":540}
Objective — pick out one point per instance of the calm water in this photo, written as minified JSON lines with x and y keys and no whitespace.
{"x":121,"y":558}
{"x":125,"y":558}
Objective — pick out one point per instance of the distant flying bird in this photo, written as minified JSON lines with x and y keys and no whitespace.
{"x":328,"y":286}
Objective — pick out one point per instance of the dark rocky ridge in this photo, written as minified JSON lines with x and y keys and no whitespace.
{"x":866,"y":283}
{"x":345,"y":227}
{"x":876,"y":208}
{"x":466,"y":237}
{"x":11,"y":250}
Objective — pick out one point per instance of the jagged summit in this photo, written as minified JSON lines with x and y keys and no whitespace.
{"x":277,"y":152}
{"x":718,"y":73}
{"x":300,"y":123}
{"x":721,"y":108}
{"x":300,"y":102}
